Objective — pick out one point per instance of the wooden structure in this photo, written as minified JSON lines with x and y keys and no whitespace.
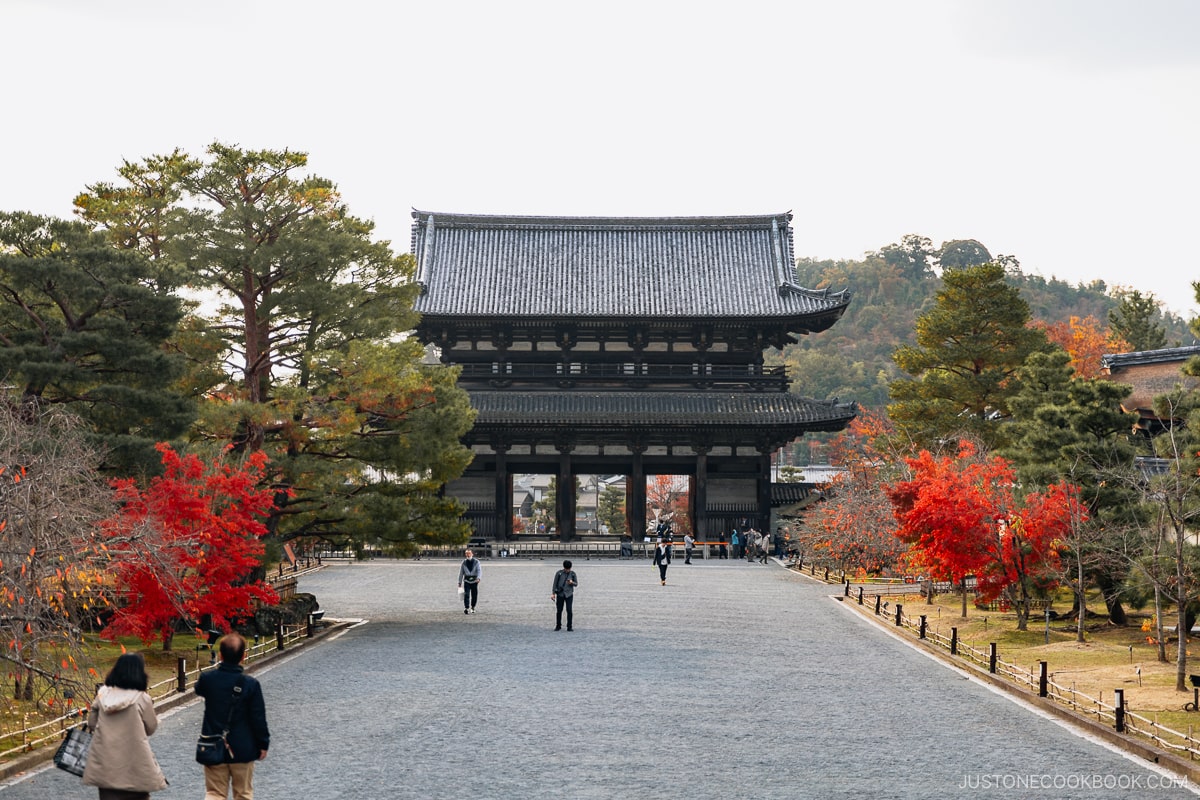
{"x":1150,"y":373}
{"x":622,"y":346}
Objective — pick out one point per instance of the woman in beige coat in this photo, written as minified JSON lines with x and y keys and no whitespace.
{"x":120,"y":763}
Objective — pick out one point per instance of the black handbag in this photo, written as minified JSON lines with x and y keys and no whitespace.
{"x":72,"y":754}
{"x":213,"y":748}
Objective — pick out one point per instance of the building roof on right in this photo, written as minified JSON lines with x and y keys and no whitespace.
{"x":1151,"y":373}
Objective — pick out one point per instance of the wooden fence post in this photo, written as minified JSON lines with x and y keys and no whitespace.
{"x":1119,"y":711}
{"x":921,"y":633}
{"x":847,"y":592}
{"x":1043,"y":680}
{"x":860,"y":595}
{"x":992,"y":658}
{"x":954,"y":641}
{"x":899,"y":612}
{"x":181,"y":674}
{"x":278,"y":635}
{"x":878,"y":599}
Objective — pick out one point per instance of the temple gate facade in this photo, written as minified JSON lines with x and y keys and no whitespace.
{"x":629,"y":346}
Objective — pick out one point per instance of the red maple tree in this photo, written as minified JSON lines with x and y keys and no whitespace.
{"x":184,"y":548}
{"x":852,"y":526}
{"x":963,"y":518}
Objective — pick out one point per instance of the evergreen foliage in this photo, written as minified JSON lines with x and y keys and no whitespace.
{"x":893,"y":286}
{"x":968,"y":346}
{"x":85,"y":326}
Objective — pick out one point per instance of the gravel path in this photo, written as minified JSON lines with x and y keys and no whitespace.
{"x":733,"y":681}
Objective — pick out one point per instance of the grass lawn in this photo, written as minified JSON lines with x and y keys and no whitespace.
{"x":1109,"y":659}
{"x":160,"y":666}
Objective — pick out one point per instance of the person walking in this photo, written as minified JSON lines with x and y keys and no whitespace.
{"x":751,"y":544}
{"x":688,"y":544}
{"x":764,"y":547}
{"x":562,"y":592}
{"x":722,"y":551}
{"x":120,"y":762}
{"x":233,"y":701}
{"x":735,"y":542}
{"x":662,"y":558}
{"x":469,"y":573}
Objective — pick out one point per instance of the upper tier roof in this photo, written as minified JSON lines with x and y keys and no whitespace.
{"x":642,"y":267}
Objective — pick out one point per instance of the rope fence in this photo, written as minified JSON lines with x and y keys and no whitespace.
{"x":31,"y":736}
{"x":1117,"y":714}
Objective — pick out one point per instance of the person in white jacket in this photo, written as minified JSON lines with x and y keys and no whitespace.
{"x":120,"y":762}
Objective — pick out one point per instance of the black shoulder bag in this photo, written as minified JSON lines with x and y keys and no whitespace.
{"x":213,"y":748}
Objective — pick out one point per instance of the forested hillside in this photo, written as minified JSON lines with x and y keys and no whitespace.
{"x":892,"y":287}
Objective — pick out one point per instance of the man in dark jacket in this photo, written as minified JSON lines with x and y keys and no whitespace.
{"x":562,"y":592}
{"x":246,"y":718}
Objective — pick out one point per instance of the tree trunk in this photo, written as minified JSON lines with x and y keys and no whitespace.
{"x":1081,"y":602}
{"x":1181,"y":649}
{"x":1158,"y":624}
{"x":1112,"y":599}
{"x":1021,"y":604}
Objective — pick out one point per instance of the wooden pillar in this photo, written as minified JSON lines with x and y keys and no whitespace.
{"x":564,"y":496}
{"x":764,"y":493}
{"x":700,"y":497}
{"x":635,"y":497}
{"x":503,"y":494}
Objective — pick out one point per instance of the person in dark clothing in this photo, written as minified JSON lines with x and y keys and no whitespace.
{"x":722,"y":551}
{"x":562,"y":592}
{"x":248,"y":738}
{"x":469,"y":574}
{"x":662,"y":558}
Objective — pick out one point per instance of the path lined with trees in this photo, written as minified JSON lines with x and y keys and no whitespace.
{"x":733,"y":680}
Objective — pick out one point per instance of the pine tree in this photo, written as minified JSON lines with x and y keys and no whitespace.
{"x":84,"y":326}
{"x":968,"y":347}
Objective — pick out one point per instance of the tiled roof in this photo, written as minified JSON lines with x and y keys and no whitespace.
{"x":695,"y":409}
{"x":791,"y":493}
{"x":1163,"y":356}
{"x":573,"y":267}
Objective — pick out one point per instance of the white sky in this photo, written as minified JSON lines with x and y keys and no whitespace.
{"x":1064,"y":132}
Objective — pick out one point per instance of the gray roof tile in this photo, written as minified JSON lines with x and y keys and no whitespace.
{"x":658,"y":408}
{"x":573,"y":267}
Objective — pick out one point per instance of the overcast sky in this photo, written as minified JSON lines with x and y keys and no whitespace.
{"x":1063,"y":132}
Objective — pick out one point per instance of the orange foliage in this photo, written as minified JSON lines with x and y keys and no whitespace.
{"x":1086,"y":340}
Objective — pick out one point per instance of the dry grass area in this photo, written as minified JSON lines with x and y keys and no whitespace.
{"x":1110,"y":658}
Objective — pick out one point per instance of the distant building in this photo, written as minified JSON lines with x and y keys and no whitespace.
{"x":621,"y":346}
{"x":1151,"y":373}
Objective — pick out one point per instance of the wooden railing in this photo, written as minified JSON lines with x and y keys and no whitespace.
{"x":32,"y":736}
{"x":1118,"y":714}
